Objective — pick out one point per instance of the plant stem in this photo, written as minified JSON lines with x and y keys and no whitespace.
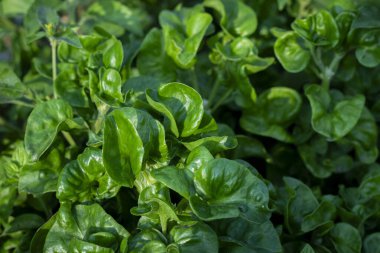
{"x":222,"y":99}
{"x":102,"y":111}
{"x":195,"y":81}
{"x":22,"y":103}
{"x":53,"y":43}
{"x":214,"y":91}
{"x":69,"y":138}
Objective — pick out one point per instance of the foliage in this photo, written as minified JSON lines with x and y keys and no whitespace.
{"x":181,"y":126}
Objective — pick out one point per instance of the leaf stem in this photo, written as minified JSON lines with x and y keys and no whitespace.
{"x":69,"y":138}
{"x":195,"y":80}
{"x":214,"y":90}
{"x":53,"y":44}
{"x":22,"y":103}
{"x":47,"y":212}
{"x":102,"y":111}
{"x":222,"y":99}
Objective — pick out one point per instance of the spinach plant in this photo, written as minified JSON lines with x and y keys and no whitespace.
{"x":181,"y":126}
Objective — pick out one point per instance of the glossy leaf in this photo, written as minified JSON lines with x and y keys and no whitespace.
{"x":181,"y":105}
{"x":248,"y":236}
{"x":368,"y":52}
{"x":41,"y":176}
{"x":25,"y":222}
{"x":179,"y":180}
{"x":320,"y":29}
{"x":292,"y":56}
{"x":183,"y":31}
{"x":301,"y":202}
{"x":43,"y":126}
{"x":227,"y":189}
{"x":274,"y":110}
{"x":346,"y":238}
{"x":364,"y":138}
{"x":87,"y":223}
{"x":333,"y":119}
{"x":86,"y":179}
{"x":370,"y":244}
{"x":110,"y":84}
{"x":323,"y":214}
{"x":307,"y":249}
{"x":235,"y":17}
{"x":197,"y":237}
{"x":215,"y":141}
{"x":152,"y":59}
{"x":11,"y":87}
{"x":113,"y":56}
{"x":131,"y":139}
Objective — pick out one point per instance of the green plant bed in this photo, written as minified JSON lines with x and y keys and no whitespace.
{"x":189,"y":126}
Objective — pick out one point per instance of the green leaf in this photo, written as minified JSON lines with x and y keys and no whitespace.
{"x":215,"y":141}
{"x":33,"y":20}
{"x":10,"y":7}
{"x":110,"y":84}
{"x":235,"y":17}
{"x":346,"y":238}
{"x":79,"y":246}
{"x":132,"y":138}
{"x":368,"y":189}
{"x":25,"y":222}
{"x":177,"y":179}
{"x":11,"y":88}
{"x":181,"y":105}
{"x":368,"y":51}
{"x":364,"y":138}
{"x":227,"y":189}
{"x":183,"y":31}
{"x":69,"y":37}
{"x":68,"y":88}
{"x":41,"y":176}
{"x":113,"y":56}
{"x":43,"y":125}
{"x":292,"y":56}
{"x":154,"y":203}
{"x":333,"y":119}
{"x":152,"y":59}
{"x":116,"y":16}
{"x":320,"y":29}
{"x":371,"y":243}
{"x":88,"y":223}
{"x":196,"y":237}
{"x":300,"y":203}
{"x":249,"y":147}
{"x":307,"y":249}
{"x":86,"y":179}
{"x":48,"y":16}
{"x":146,"y":241}
{"x":323,"y":214}
{"x":38,"y":240}
{"x":248,"y":236}
{"x":198,"y":157}
{"x":314,"y":154}
{"x":275,"y":109}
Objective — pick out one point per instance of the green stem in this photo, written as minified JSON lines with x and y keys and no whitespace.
{"x":214,"y":91}
{"x":221,"y":100}
{"x":195,"y":80}
{"x":22,"y":103}
{"x":53,"y":43}
{"x":47,"y":212}
{"x":102,"y":111}
{"x":325,"y":83}
{"x":69,"y":138}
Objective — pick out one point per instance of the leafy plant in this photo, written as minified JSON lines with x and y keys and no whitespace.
{"x":181,"y":126}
